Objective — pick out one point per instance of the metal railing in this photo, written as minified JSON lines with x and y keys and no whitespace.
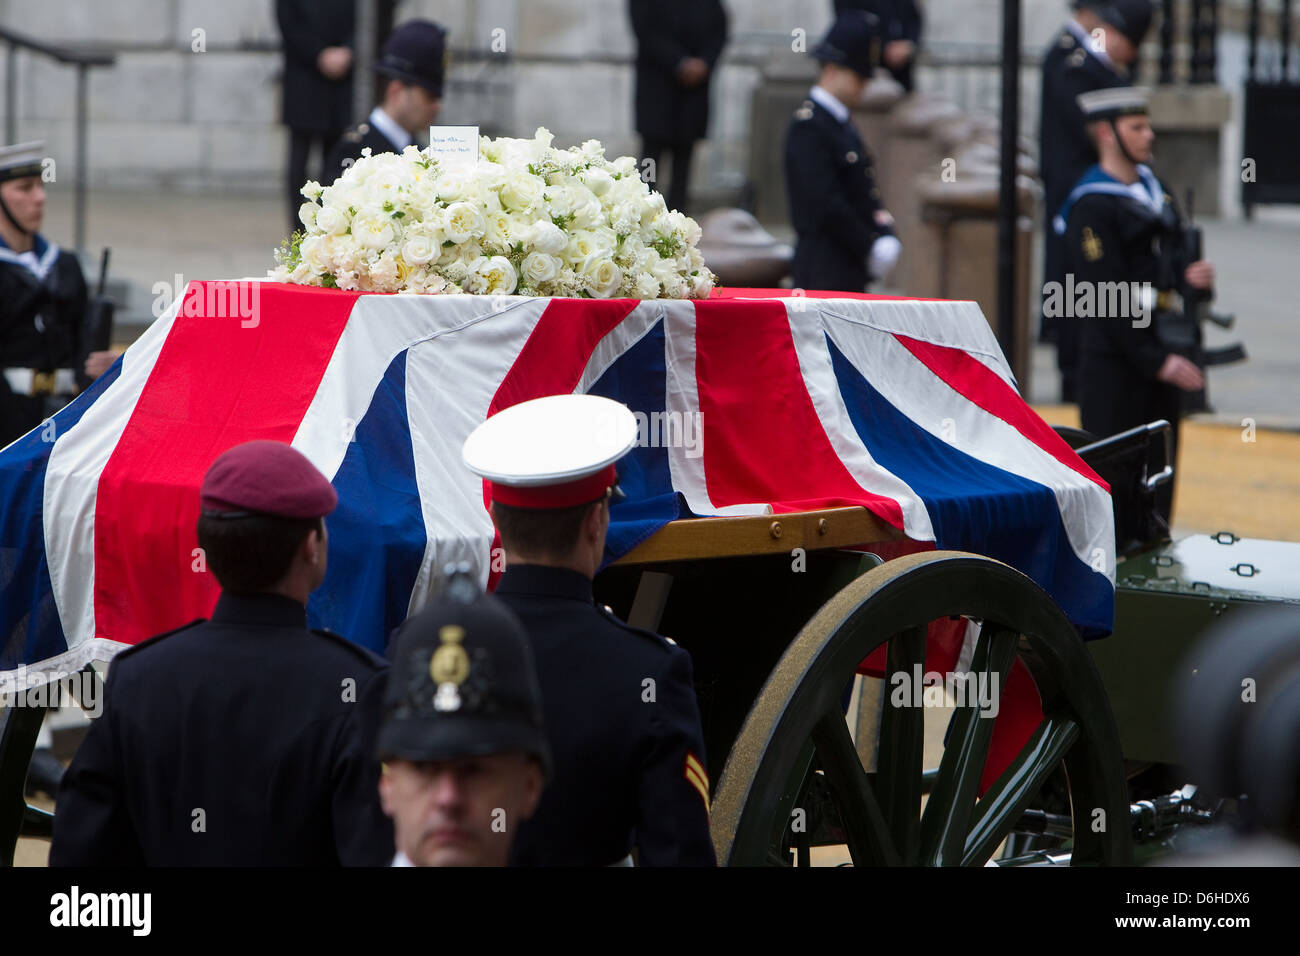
{"x":83,"y":60}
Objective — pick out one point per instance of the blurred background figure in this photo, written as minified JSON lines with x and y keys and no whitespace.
{"x":317,"y":97}
{"x":1236,"y":719}
{"x":678,"y":46}
{"x":464,"y":750}
{"x":900,"y":21}
{"x":1094,"y":50}
{"x":411,"y":69}
{"x":43,"y":300}
{"x":846,"y":236}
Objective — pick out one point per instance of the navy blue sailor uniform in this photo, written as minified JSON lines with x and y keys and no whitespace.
{"x":1070,"y":68}
{"x":232,"y":741}
{"x":624,"y":730}
{"x":43,"y":302}
{"x":1118,"y":233}
{"x":834,"y":198}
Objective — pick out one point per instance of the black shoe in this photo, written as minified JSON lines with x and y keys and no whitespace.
{"x":44,"y":773}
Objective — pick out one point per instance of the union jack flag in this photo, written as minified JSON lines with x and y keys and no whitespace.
{"x":750,"y":402}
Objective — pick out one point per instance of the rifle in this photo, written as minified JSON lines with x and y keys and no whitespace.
{"x":96,"y":332}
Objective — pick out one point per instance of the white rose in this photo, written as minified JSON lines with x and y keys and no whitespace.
{"x":603,"y":277}
{"x":521,"y":193}
{"x":499,"y":275}
{"x":701,"y":285}
{"x":464,"y":222}
{"x":418,"y":250}
{"x":452,"y":187}
{"x":539,"y":267}
{"x":331,"y":221}
{"x":547,"y":237}
{"x":500,"y":230}
{"x":647,"y":286}
{"x":597,"y":180}
{"x":307,"y":215}
{"x":373,"y":233}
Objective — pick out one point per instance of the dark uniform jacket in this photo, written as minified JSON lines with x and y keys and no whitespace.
{"x":247,"y":717}
{"x":1065,"y":151}
{"x":831,"y":183}
{"x":1114,"y":238}
{"x":41,"y":314}
{"x":313,"y":102}
{"x":667,"y":32}
{"x":624,"y":730}
{"x":348,"y":149}
{"x":900,"y":20}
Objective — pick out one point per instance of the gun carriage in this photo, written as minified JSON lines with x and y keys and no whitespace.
{"x":802,"y":624}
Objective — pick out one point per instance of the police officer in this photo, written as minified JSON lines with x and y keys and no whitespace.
{"x":678,"y":45}
{"x":1122,"y":226}
{"x":246,"y":739}
{"x":462,"y":742}
{"x":620,"y":707}
{"x":901,"y":23}
{"x":1094,"y":50}
{"x":846,"y":236}
{"x":411,"y":68}
{"x":43,"y":300}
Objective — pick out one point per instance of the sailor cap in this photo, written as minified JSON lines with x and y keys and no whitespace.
{"x":1114,"y":101}
{"x":21,"y":160}
{"x":552,"y":452}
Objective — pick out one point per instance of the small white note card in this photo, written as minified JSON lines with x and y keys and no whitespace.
{"x":454,"y":145}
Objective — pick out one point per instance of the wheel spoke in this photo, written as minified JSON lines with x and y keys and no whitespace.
{"x":870,"y":843}
{"x":1006,"y":800}
{"x":902,"y":744}
{"x":948,"y":811}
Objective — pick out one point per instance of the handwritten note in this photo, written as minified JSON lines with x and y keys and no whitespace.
{"x":454,"y":145}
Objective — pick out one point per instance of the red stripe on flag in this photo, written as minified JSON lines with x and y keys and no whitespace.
{"x":763,"y":441}
{"x":733,"y":293}
{"x":982,"y":386}
{"x":216,"y":384}
{"x":552,"y":362}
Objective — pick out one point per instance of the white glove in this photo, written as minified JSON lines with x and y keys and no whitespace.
{"x":883,"y":256}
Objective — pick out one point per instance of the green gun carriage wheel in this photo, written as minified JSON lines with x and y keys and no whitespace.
{"x":798,"y":718}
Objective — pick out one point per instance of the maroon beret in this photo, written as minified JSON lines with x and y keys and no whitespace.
{"x":266,"y":477}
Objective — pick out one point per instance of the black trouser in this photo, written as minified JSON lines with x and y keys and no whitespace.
{"x":300,"y":142}
{"x":654,"y":148}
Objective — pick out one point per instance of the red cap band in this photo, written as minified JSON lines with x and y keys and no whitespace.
{"x":566,"y":495}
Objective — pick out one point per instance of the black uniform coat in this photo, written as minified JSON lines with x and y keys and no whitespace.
{"x":831,"y":184}
{"x":899,"y":20}
{"x":351,"y":144}
{"x":312,"y":102}
{"x":40,"y":321}
{"x":622,"y":762}
{"x":667,"y":32}
{"x":1119,"y":239}
{"x":244,"y":717}
{"x":1065,"y":151}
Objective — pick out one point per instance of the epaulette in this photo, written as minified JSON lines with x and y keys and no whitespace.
{"x":805,"y":111}
{"x":607,"y":612}
{"x":367,"y":655}
{"x":156,"y":638}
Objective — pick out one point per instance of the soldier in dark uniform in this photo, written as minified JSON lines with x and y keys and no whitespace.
{"x":463,"y":745}
{"x":411,"y":68}
{"x":1094,"y":50}
{"x":1121,"y":226}
{"x":846,"y":236}
{"x":43,"y":301}
{"x":246,"y":739}
{"x":619,"y":702}
{"x":900,"y":22}
{"x":678,"y":43}
{"x":317,"y":87}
